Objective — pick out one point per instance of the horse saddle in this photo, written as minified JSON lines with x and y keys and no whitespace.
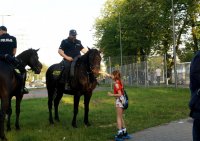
{"x":11,"y":62}
{"x":72,"y":67}
{"x":57,"y":73}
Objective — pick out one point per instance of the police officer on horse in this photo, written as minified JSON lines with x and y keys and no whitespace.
{"x":8,"y":49}
{"x":69,"y":49}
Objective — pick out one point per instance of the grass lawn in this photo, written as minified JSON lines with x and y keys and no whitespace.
{"x":148,"y":107}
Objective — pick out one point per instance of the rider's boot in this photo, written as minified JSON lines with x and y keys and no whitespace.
{"x":67,"y":87}
{"x":64,"y":79}
{"x":24,"y":90}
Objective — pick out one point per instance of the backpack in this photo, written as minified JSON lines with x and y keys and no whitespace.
{"x":125,"y":101}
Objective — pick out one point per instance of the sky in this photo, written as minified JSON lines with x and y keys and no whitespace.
{"x":45,"y":23}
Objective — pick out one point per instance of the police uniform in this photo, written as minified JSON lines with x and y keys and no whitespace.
{"x":72,"y":49}
{"x":195,"y":95}
{"x":7,"y":44}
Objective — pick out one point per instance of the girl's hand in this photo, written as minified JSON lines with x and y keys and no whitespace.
{"x":105,"y":74}
{"x":108,"y":75}
{"x":110,"y":94}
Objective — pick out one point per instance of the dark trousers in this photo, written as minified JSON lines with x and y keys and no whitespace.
{"x":196,"y":130}
{"x":21,"y":77}
{"x":65,"y":72}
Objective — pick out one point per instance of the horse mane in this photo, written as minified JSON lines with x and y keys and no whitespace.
{"x":85,"y":58}
{"x":84,"y":73}
{"x":25,"y":54}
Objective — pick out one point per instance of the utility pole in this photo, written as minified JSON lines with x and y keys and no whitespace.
{"x":2,"y":18}
{"x":174,"y":48}
{"x":120,"y":39}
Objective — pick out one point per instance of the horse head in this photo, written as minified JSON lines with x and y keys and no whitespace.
{"x":30,"y":58}
{"x":94,"y":61}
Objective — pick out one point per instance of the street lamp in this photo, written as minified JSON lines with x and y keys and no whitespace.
{"x":2,"y":18}
{"x":120,"y":38}
{"x":174,"y":48}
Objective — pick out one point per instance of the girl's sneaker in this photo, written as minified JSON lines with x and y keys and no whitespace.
{"x":119,"y":137}
{"x":126,"y":136}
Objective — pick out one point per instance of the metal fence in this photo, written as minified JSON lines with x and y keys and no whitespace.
{"x":144,"y":73}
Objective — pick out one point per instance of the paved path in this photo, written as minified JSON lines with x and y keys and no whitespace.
{"x":174,"y":131}
{"x":37,"y":93}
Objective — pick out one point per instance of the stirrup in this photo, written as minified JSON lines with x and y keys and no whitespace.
{"x":25,"y":90}
{"x":67,"y":87}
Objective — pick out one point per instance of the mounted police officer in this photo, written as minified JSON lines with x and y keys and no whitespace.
{"x":195,"y":95}
{"x":8,"y":49}
{"x":69,"y":49}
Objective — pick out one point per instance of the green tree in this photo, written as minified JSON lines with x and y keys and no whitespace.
{"x":146,"y":27}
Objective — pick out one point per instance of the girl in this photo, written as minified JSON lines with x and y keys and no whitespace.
{"x":118,"y":92}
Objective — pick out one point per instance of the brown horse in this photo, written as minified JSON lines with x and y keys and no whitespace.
{"x":11,"y":86}
{"x":83,"y":83}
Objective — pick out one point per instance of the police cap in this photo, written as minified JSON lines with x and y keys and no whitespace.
{"x":3,"y":28}
{"x":72,"y":32}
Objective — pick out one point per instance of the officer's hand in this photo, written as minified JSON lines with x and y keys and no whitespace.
{"x":9,"y":58}
{"x":70,"y":59}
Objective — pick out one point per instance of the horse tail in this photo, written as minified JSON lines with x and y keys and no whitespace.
{"x":2,"y":87}
{"x":4,"y":93}
{"x":50,"y":80}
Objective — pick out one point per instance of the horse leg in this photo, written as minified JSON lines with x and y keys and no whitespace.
{"x":76,"y":103}
{"x":18,"y":102}
{"x":56,"y":103}
{"x":86,"y":104}
{"x":9,"y":113}
{"x":4,"y":107}
{"x":2,"y":118}
{"x":50,"y":102}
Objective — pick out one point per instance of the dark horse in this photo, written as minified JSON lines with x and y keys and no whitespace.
{"x":82,"y":83}
{"x":10,"y":86}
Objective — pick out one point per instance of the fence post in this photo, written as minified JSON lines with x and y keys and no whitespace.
{"x":146,"y":72}
{"x":137,"y":73}
{"x":110,"y":72}
{"x":165,"y":68}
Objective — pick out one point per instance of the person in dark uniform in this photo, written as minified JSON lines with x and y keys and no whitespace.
{"x":195,"y":95}
{"x":8,"y":49}
{"x":8,"y":44}
{"x":69,"y":49}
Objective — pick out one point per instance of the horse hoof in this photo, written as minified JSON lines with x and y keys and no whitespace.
{"x":87,"y":124}
{"x":8,"y":129}
{"x":57,"y":119}
{"x":51,"y":122}
{"x":74,"y":125}
{"x":3,"y":138}
{"x":18,"y":128}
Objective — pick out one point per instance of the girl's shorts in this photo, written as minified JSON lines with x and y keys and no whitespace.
{"x":118,"y":102}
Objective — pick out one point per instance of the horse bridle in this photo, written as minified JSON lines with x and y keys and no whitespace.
{"x":23,"y":64}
